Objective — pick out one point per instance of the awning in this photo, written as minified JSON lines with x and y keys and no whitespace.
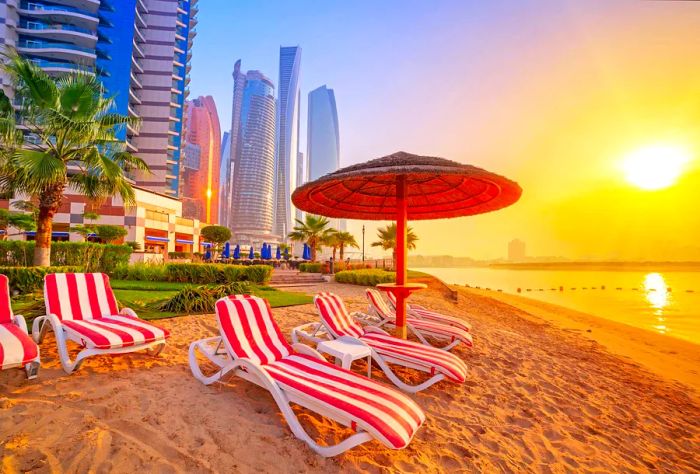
{"x":184,"y":241}
{"x":53,"y":234}
{"x":205,"y":244}
{"x":157,"y":239}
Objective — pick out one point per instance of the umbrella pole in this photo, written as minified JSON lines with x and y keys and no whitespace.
{"x":401,"y":255}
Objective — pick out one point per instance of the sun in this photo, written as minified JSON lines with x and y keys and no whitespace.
{"x":655,"y":167}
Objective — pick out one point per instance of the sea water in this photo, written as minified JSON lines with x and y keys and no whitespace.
{"x":667,"y":302}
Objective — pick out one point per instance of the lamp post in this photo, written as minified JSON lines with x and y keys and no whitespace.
{"x":363,"y":242}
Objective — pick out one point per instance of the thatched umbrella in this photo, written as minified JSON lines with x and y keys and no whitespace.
{"x":406,"y":187}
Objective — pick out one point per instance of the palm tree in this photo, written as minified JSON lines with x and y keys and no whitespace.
{"x":74,"y":145}
{"x":345,"y":239}
{"x":313,"y":230}
{"x":387,"y":240}
{"x":331,"y":240}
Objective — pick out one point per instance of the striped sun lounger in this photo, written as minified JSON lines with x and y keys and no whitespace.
{"x":251,"y":346}
{"x":421,"y":312}
{"x":386,"y":349}
{"x":81,"y":307}
{"x":419,"y":327}
{"x":16,"y":347}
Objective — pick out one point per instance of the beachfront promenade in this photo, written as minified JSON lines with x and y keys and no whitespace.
{"x":538,"y":399}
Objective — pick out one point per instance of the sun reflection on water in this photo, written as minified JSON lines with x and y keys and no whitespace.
{"x":658,"y":296}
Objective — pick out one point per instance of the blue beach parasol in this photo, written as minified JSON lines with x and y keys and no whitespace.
{"x":278,"y":256}
{"x":251,"y":255}
{"x":227,"y":250}
{"x":237,"y":252}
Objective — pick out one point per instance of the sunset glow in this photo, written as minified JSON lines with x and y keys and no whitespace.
{"x":655,"y":167}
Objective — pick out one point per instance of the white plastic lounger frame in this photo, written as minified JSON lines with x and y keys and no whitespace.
{"x":213,"y":349}
{"x":39,"y":331}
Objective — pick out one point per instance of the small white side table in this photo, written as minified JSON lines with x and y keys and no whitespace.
{"x":346,"y":350}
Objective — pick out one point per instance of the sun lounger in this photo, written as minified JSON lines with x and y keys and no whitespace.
{"x":252,"y":347}
{"x":81,"y":307}
{"x":421,"y":312}
{"x":16,"y":347}
{"x":383,"y":315}
{"x":386,"y":349}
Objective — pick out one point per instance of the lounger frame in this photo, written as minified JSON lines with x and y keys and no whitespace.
{"x":31,"y":368}
{"x":213,"y":349}
{"x":42,"y":324}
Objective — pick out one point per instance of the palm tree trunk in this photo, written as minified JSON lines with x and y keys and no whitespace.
{"x":313,"y":253}
{"x":342,"y":251}
{"x":49,"y":202}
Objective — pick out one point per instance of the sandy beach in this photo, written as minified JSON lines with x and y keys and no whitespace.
{"x":543,"y":395}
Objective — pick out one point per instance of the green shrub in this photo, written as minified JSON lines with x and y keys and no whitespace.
{"x":91,"y":256}
{"x":202,"y":299}
{"x":259,"y":274}
{"x":25,"y":280}
{"x":367,"y":277}
{"x":139,"y":271}
{"x":310,"y":267}
{"x":177,"y":255}
{"x":193,"y":273}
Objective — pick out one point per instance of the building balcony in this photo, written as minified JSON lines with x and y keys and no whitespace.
{"x":136,"y":64}
{"x":86,"y":5}
{"x":59,"y":14}
{"x":130,"y":147}
{"x":131,"y":131}
{"x":133,"y":97}
{"x":57,"y":67}
{"x":135,"y":82}
{"x":138,"y":51}
{"x":59,"y":32}
{"x":65,"y":51}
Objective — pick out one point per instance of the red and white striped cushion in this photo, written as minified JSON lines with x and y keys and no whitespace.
{"x":16,"y":347}
{"x":336,"y":317}
{"x":376,"y":300}
{"x":388,"y":415}
{"x":428,"y":328}
{"x":113,"y":332}
{"x":79,"y":296}
{"x":249,"y":331}
{"x":424,"y":313}
{"x":431,"y":358}
{"x":5,"y":307}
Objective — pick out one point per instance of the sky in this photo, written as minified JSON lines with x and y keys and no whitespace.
{"x":552,"y":94}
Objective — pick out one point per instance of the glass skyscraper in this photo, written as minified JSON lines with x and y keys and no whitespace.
{"x":253,"y":157}
{"x":287,"y":138}
{"x":323,"y":137}
{"x":139,"y":49}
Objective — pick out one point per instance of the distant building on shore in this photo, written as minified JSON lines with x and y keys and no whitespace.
{"x":516,"y":251}
{"x":323,"y":138}
{"x":203,"y":129}
{"x":287,"y":151}
{"x":252,"y":162}
{"x":224,"y":198}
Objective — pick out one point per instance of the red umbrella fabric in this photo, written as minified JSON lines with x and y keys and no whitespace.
{"x":436,"y":189}
{"x":403,"y":187}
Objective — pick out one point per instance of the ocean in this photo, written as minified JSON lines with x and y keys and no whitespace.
{"x":666,"y":302}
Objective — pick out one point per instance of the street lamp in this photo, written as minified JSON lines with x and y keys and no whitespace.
{"x":363,"y":242}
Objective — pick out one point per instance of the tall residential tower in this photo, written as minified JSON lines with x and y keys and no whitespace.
{"x":287,"y":139}
{"x":252,"y":157}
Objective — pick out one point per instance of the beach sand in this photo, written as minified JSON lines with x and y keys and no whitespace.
{"x":541,"y":397}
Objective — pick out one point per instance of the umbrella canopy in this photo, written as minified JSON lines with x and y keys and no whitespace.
{"x":306,"y":254}
{"x":227,"y":250}
{"x":268,"y":253}
{"x":286,"y":252}
{"x":207,"y":255}
{"x":251,"y":254}
{"x":278,"y":256}
{"x":237,"y":252}
{"x":403,"y":187}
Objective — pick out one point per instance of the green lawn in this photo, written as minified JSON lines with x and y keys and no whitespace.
{"x":144,"y":296}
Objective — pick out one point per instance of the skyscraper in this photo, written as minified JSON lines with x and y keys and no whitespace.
{"x":253,"y":157}
{"x":203,"y":129}
{"x":323,"y":137}
{"x":224,"y":201}
{"x":139,"y":49}
{"x":287,"y":138}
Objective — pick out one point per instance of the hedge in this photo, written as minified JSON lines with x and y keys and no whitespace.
{"x":197,"y":273}
{"x":311,"y":267}
{"x":93,"y":257}
{"x":25,"y":280}
{"x":369,"y":277}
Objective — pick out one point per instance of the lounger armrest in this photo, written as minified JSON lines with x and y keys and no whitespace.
{"x":309,"y":333}
{"x":128,"y":312}
{"x":307,"y":350}
{"x":376,"y":330}
{"x":20,"y":322}
{"x":364,"y":317}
